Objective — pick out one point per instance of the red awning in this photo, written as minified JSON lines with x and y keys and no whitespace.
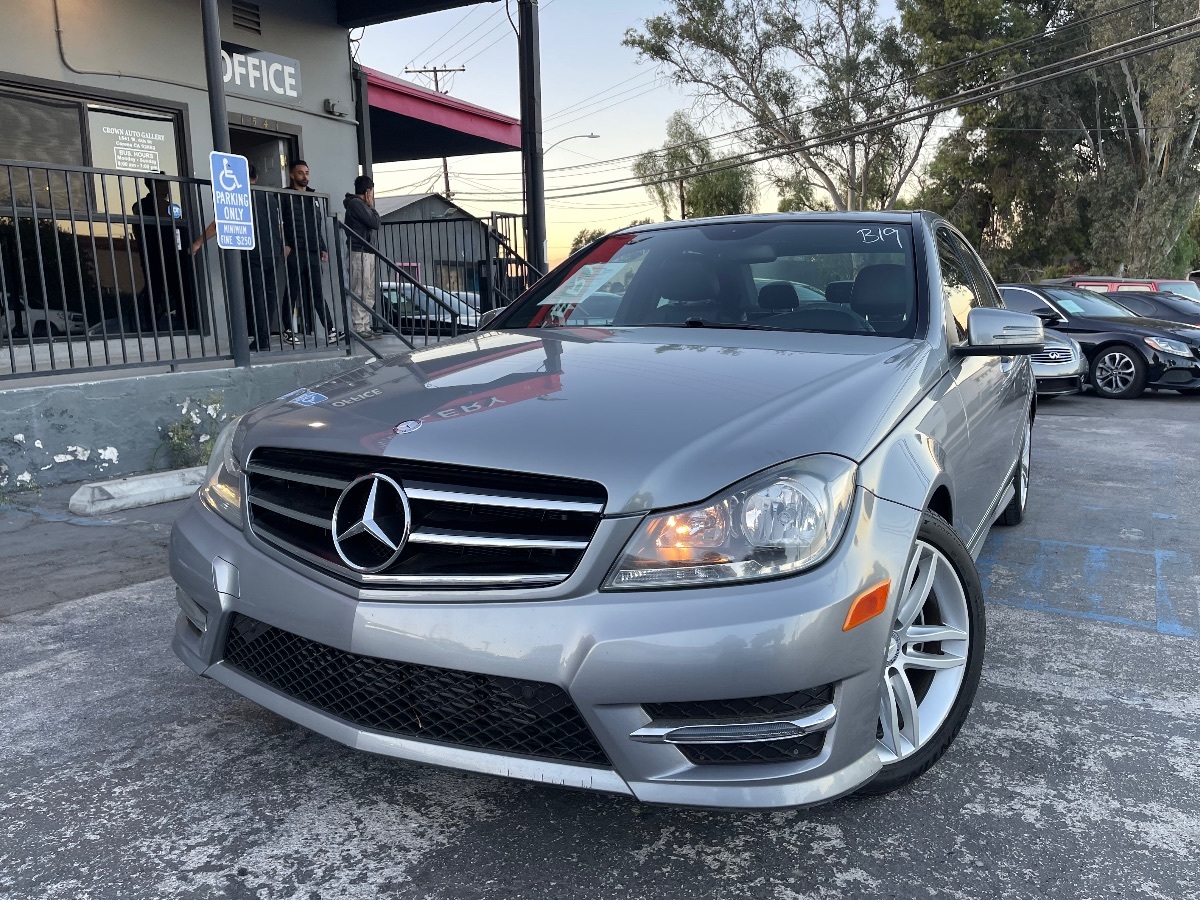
{"x":412,"y":122}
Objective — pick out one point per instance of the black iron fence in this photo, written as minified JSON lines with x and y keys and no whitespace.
{"x":101,"y":269}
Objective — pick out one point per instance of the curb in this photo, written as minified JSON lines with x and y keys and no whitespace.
{"x":101,"y":497}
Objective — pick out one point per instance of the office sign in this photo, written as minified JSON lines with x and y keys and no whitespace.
{"x":262,"y":76}
{"x":233,"y":208}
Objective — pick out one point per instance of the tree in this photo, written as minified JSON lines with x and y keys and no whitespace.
{"x":793,"y":71}
{"x":686,"y":159}
{"x":585,"y":237}
{"x":1099,"y":171}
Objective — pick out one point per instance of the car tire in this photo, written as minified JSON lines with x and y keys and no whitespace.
{"x":1118,"y":372}
{"x":39,"y":329}
{"x":940,"y":596}
{"x":1015,"y":511}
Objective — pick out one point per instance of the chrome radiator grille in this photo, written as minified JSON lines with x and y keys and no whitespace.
{"x":1054,"y":355}
{"x":465,"y":528}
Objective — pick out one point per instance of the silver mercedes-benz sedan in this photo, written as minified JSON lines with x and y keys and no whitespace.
{"x":714,"y":547}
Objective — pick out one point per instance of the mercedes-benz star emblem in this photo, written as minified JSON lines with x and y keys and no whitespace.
{"x":407,"y":427}
{"x":371,"y":523}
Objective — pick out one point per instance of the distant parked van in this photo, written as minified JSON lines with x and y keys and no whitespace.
{"x":1104,"y":284}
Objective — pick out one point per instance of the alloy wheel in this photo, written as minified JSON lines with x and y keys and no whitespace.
{"x":1116,"y":372}
{"x":926,"y":655}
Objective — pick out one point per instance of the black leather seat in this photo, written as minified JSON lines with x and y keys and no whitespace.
{"x":884,"y":295}
{"x":839,"y":292}
{"x":691,"y":288}
{"x":778,"y":295}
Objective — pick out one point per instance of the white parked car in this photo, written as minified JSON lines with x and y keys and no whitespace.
{"x":20,"y":321}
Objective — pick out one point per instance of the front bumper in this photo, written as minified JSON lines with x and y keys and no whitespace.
{"x":1060,"y":378}
{"x":1166,"y":370}
{"x":610,"y":652}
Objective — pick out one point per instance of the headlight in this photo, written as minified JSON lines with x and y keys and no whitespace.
{"x":1166,"y":345}
{"x":777,"y":522}
{"x":222,"y":490}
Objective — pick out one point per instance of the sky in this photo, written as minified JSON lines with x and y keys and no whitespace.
{"x":591,"y":84}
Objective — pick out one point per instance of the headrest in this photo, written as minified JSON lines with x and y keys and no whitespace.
{"x":689,"y":279}
{"x":882,"y":290}
{"x":778,"y":295}
{"x":839,"y":291}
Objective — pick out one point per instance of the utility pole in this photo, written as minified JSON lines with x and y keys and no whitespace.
{"x":434,"y":71}
{"x":682,"y":204}
{"x":529,"y":57}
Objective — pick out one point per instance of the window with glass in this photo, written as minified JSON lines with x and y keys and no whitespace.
{"x":812,"y":276}
{"x":957,"y":288}
{"x":1079,"y":302}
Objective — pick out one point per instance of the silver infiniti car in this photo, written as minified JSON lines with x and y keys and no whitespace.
{"x":714,"y":547}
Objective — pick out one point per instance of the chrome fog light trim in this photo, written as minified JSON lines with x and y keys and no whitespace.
{"x":738,"y":732}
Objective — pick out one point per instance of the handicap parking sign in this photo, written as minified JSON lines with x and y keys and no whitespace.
{"x":233,"y":208}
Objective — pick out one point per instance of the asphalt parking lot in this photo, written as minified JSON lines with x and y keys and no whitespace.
{"x":1077,"y":774}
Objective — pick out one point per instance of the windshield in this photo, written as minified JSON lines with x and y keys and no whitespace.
{"x":1087,"y":303}
{"x":1182,"y":288}
{"x":829,"y":277}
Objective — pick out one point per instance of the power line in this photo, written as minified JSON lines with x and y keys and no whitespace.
{"x":470,"y":12}
{"x":909,"y":79}
{"x":608,"y":164}
{"x":988,"y":91}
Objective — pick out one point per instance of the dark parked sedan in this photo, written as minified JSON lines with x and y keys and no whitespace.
{"x":1160,"y":305}
{"x":1126,"y":353}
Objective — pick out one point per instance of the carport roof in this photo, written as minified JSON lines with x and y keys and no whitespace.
{"x":412,"y":122}
{"x":357,"y":13}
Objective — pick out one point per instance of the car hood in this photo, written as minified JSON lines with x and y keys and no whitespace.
{"x":659,"y":416}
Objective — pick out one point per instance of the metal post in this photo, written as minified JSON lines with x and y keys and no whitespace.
{"x":365,"y":151}
{"x":529,"y":53}
{"x":238,"y":337}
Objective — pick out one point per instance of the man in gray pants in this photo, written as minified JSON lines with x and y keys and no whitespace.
{"x":363,"y":221}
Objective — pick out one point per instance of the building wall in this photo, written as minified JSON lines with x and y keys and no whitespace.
{"x":154,"y":49}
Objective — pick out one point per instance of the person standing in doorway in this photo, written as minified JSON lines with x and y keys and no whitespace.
{"x":363,"y":221}
{"x":305,"y":250}
{"x":259,"y":277}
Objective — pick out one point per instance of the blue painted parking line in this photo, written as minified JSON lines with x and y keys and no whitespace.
{"x":1151,"y":590}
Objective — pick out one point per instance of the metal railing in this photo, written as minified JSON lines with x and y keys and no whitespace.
{"x":103,"y":269}
{"x":414,"y":313}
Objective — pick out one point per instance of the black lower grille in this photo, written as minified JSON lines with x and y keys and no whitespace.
{"x":745,"y":707}
{"x":792,"y":750}
{"x":487,"y":712}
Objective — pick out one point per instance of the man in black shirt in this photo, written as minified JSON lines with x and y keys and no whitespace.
{"x":305,"y":250}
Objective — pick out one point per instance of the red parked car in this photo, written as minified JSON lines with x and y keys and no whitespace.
{"x":1105,"y":283}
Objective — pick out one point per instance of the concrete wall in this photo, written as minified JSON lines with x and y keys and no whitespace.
{"x":85,"y":432}
{"x":144,"y":44}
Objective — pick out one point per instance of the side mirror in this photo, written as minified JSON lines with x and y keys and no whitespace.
{"x":1047,"y":315}
{"x":1002,"y":332}
{"x":485,"y":319}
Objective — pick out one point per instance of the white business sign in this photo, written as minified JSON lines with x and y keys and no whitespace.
{"x":253,"y":73}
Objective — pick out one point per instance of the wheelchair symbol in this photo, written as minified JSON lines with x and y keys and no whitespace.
{"x":228,"y":179}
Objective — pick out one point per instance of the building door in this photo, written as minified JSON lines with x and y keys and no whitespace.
{"x":269,"y":153}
